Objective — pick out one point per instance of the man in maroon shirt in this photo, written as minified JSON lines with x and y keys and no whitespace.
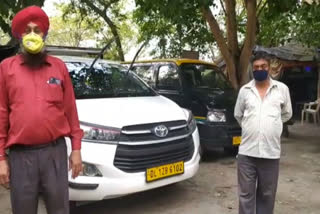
{"x":37,"y":110}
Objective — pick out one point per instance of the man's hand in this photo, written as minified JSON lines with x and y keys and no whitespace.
{"x":4,"y":172}
{"x":75,"y":163}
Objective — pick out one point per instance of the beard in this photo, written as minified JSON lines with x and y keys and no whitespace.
{"x":33,"y":60}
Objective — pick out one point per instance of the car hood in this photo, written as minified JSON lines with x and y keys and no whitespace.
{"x":216,"y":98}
{"x":119,"y":112}
{"x":206,"y":99}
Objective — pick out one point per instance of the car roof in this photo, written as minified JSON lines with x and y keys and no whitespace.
{"x":176,"y":61}
{"x":86,"y":60}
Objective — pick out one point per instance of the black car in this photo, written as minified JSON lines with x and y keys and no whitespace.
{"x":201,"y":87}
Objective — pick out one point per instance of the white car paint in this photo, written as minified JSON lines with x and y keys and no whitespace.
{"x":119,"y":112}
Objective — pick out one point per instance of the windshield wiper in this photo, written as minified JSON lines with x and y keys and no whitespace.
{"x":136,"y":55}
{"x":100,"y":54}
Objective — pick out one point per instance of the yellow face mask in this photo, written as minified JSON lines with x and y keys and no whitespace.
{"x":32,"y":43}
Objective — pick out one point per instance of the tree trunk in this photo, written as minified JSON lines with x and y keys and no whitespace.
{"x":318,"y":80}
{"x":116,"y":35}
{"x":232,"y":33}
{"x":113,"y":27}
{"x":249,"y":41}
{"x":218,"y":35}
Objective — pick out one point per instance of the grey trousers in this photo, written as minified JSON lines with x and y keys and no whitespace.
{"x":39,"y":171}
{"x":258,"y":181}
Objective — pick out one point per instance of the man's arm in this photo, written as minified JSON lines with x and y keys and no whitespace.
{"x":4,"y":124}
{"x":71,"y":111}
{"x":286,"y":109}
{"x":75,"y":162}
{"x":4,"y":114}
{"x":239,"y":108}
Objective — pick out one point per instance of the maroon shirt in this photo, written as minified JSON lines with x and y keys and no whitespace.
{"x":37,"y":105}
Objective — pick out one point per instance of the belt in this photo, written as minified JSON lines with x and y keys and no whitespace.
{"x":37,"y":146}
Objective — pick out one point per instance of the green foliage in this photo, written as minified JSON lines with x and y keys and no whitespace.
{"x":9,"y":8}
{"x":176,"y":25}
{"x":308,"y":25}
{"x":300,"y":23}
{"x":96,"y":17}
{"x":115,"y":18}
{"x":72,"y":29}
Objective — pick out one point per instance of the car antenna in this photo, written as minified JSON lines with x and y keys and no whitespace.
{"x":136,"y":55}
{"x":101,"y":53}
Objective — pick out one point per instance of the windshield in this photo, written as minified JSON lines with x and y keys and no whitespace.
{"x":105,"y":80}
{"x":204,"y":76}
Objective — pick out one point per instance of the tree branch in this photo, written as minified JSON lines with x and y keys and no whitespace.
{"x":218,"y":35}
{"x":249,"y":39}
{"x":110,"y":23}
{"x":232,"y":33}
{"x":261,"y":9}
{"x":111,"y":2}
{"x":260,"y":4}
{"x":224,"y":10}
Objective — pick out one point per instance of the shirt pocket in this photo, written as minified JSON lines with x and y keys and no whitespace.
{"x":274,"y":107}
{"x":54,"y":93}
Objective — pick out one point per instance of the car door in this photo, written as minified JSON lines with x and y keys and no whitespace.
{"x":168,"y":83}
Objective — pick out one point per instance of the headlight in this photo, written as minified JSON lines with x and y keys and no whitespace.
{"x":99,"y":134}
{"x":90,"y":170}
{"x":192,"y":124}
{"x":216,"y":116}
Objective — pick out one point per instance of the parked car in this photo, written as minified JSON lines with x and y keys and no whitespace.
{"x":201,"y":87}
{"x":134,"y":139}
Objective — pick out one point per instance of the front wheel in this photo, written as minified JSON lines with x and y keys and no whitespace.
{"x":72,"y":207}
{"x":231,"y":150}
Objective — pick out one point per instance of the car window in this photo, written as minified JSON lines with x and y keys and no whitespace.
{"x":105,"y":80}
{"x":203,"y":76}
{"x":168,"y":78}
{"x":145,"y":72}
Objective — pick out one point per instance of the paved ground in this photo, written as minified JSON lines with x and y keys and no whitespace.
{"x":214,"y":188}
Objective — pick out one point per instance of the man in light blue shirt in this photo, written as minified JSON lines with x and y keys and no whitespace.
{"x":263,"y":105}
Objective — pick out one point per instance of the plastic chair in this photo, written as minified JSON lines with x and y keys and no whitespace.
{"x":311,"y":108}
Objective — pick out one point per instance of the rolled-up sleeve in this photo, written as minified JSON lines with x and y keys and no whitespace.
{"x":71,"y":113}
{"x":4,"y":113}
{"x":239,"y":108}
{"x":286,"y":110}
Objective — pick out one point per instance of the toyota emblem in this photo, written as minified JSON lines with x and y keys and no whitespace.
{"x":161,"y":131}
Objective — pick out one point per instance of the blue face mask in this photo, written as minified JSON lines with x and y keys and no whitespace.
{"x":260,"y":75}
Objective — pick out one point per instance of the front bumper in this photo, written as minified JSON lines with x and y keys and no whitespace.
{"x":117,"y":183}
{"x":213,"y":135}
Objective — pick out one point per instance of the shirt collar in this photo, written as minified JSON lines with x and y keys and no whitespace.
{"x":252,"y":84}
{"x":46,"y":60}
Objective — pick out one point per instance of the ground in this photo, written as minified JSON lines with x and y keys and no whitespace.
{"x":214,"y":188}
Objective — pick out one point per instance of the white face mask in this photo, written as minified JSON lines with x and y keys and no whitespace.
{"x":32,"y":43}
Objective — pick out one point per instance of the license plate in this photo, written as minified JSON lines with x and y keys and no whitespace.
{"x":236,"y":140}
{"x":164,"y":171}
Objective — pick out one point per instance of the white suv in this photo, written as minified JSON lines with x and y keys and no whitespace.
{"x":134,"y":139}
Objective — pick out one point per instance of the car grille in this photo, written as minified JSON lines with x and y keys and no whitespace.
{"x":234,"y":130}
{"x":137,"y":158}
{"x":144,"y":132}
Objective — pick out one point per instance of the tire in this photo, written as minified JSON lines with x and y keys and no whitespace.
{"x":73,"y":207}
{"x":231,"y":150}
{"x":202,"y":153}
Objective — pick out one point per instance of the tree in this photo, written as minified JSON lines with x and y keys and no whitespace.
{"x":8,"y":8}
{"x":109,"y":11}
{"x":172,"y":29}
{"x":306,"y":24}
{"x":235,"y":36}
{"x":73,"y":29}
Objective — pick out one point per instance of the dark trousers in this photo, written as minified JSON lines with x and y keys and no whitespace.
{"x":257,"y":180}
{"x":39,"y":171}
